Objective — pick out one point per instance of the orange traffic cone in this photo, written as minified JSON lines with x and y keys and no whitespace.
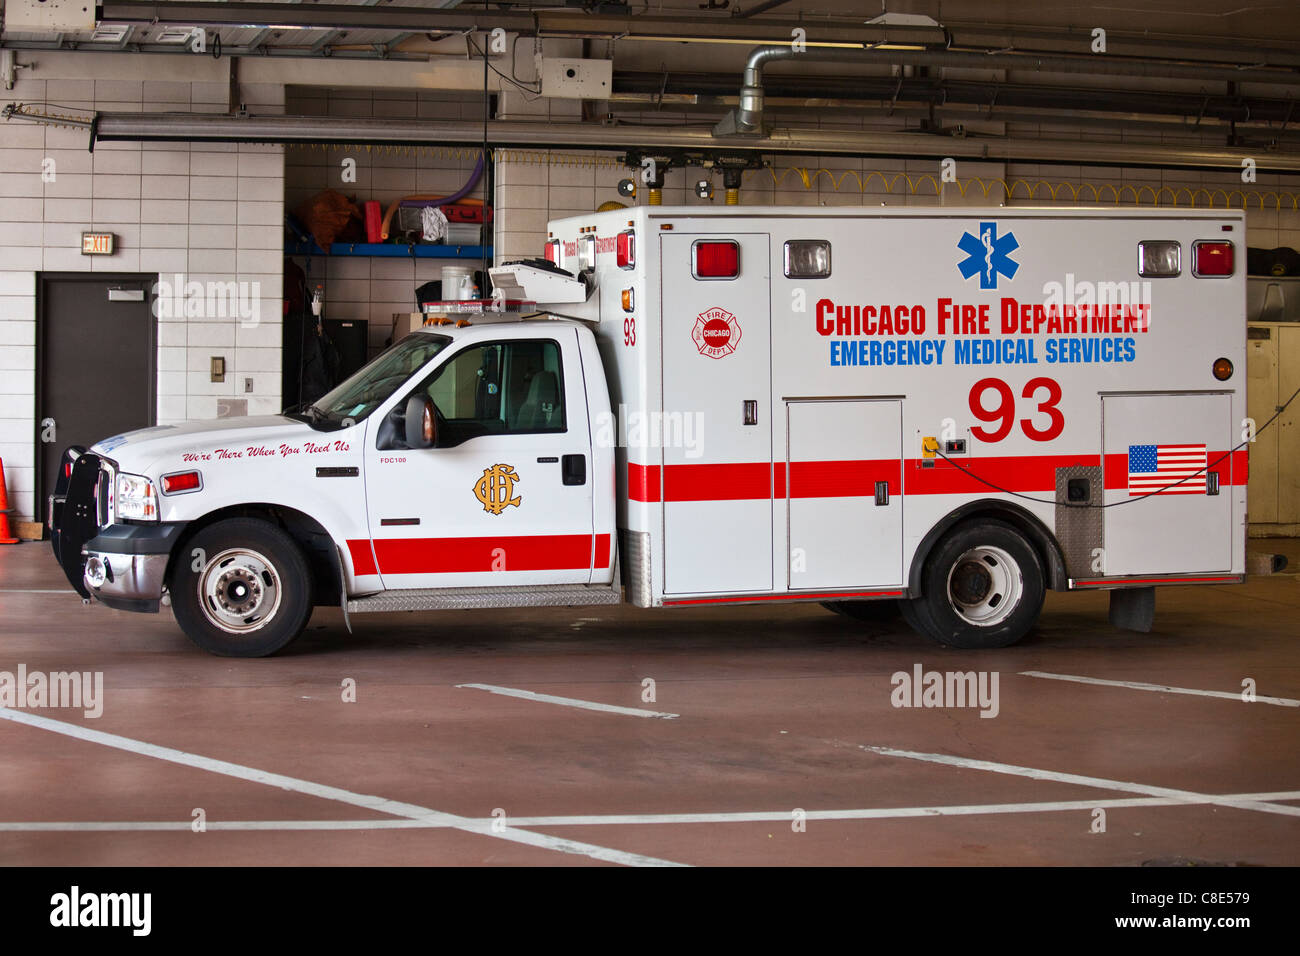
{"x":5,"y":537}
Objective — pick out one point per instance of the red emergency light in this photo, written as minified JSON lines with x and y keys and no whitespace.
{"x":553,"y":251}
{"x":717,"y":260}
{"x":1212,"y":259}
{"x":625,"y":249}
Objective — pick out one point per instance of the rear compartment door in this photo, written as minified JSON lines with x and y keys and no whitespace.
{"x":1158,"y":445}
{"x":845,"y":504}
{"x":717,"y":374}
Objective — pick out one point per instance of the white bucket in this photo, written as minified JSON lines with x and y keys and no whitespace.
{"x":457,"y":283}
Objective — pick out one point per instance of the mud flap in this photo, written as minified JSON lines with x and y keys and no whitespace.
{"x":1133,"y":609}
{"x":343,"y":588}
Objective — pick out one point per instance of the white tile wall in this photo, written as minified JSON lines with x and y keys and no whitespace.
{"x":174,"y":208}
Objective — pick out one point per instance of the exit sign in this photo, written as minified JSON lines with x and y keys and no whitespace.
{"x":97,"y":243}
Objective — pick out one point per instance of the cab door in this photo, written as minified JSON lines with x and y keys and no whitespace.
{"x":505,"y":495}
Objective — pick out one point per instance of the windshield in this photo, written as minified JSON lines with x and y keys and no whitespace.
{"x":359,"y":395}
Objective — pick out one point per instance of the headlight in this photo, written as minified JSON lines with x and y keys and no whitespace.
{"x":135,"y":498}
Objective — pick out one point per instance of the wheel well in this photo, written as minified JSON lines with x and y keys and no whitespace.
{"x":1044,"y":542}
{"x":317,"y":546}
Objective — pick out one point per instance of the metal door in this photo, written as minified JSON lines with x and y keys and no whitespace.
{"x":1159,"y":446}
{"x":510,"y":506}
{"x":1261,"y":403}
{"x":1286,"y":435}
{"x":96,"y":363}
{"x":717,"y":369}
{"x":845,"y":504}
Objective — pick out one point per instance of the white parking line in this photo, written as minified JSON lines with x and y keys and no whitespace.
{"x":1136,"y":685}
{"x":396,"y":808}
{"x":37,"y":591}
{"x":637,"y":819}
{"x":1101,"y":783}
{"x":568,"y":701}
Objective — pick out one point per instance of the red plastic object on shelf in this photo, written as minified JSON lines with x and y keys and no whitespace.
{"x":455,"y":212}
{"x":374,"y":215}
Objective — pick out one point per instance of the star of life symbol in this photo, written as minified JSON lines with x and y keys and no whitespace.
{"x":495,"y":488}
{"x":988,"y":254}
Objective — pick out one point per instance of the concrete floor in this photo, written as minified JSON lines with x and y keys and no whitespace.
{"x":775,"y":709}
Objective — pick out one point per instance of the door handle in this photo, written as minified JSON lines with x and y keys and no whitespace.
{"x":573,"y":469}
{"x":751,"y":411}
{"x":882,"y":493}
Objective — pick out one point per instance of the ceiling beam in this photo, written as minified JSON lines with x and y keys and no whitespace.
{"x":698,"y":28}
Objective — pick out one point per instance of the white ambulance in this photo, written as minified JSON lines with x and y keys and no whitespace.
{"x":947,"y":411}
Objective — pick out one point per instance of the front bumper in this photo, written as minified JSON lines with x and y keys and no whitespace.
{"x":128,"y":582}
{"x":125,"y":565}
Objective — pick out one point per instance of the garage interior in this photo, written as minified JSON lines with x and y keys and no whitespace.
{"x":289,"y":153}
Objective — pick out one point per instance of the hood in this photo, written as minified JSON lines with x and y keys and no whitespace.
{"x":139,"y":450}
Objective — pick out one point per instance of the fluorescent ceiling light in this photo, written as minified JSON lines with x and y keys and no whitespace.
{"x":110,"y":33}
{"x":903,"y":20}
{"x":175,"y":34}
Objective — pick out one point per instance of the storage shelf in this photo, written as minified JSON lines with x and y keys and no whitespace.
{"x":390,"y":250}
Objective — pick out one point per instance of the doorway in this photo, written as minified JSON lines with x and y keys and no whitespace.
{"x":96,"y":347}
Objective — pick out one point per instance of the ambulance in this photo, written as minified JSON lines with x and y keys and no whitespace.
{"x":940,"y":411}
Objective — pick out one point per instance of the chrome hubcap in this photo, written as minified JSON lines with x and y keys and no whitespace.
{"x":985,"y":586}
{"x":239,"y":591}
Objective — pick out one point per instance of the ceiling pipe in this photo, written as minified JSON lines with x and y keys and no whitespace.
{"x":755,"y":10}
{"x":199,"y":127}
{"x":718,"y":94}
{"x":747,"y":118}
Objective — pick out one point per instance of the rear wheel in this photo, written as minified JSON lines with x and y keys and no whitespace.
{"x":241,"y":588}
{"x":982,"y":586}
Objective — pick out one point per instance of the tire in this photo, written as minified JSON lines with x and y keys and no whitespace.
{"x":871,"y":612}
{"x":252,"y":592}
{"x":982,"y":587}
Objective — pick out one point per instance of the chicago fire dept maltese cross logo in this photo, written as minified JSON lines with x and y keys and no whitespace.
{"x":988,"y":254}
{"x":716,"y":333}
{"x":495,"y":490}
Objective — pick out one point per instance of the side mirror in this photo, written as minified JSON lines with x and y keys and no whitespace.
{"x":421,"y":427}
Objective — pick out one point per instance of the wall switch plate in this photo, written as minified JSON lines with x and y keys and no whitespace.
{"x":218,"y":368}
{"x":248,"y":385}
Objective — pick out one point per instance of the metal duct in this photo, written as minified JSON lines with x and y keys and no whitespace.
{"x":199,"y":127}
{"x":747,"y":118}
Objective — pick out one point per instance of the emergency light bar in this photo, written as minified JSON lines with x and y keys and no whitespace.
{"x":477,"y":306}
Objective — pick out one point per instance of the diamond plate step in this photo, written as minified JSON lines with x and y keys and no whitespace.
{"x":451,"y":599}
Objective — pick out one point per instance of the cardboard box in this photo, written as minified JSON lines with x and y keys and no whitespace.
{"x":404,"y":323}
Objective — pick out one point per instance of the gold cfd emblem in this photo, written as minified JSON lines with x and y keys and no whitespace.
{"x":495,"y":490}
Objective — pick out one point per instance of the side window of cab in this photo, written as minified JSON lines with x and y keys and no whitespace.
{"x":495,"y":388}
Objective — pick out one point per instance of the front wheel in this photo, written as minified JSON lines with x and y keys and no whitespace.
{"x":982,"y":587}
{"x":241,"y":588}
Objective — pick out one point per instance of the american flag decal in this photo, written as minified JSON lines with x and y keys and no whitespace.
{"x":1152,"y":468}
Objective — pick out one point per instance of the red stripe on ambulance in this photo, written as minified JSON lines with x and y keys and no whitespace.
{"x":1024,"y":474}
{"x":542,"y":552}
